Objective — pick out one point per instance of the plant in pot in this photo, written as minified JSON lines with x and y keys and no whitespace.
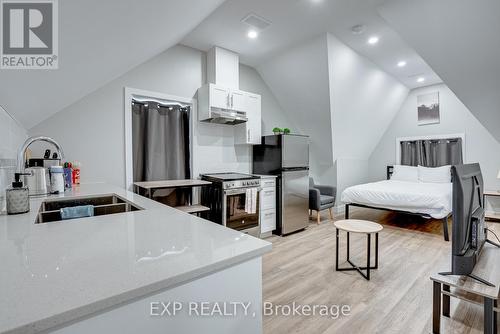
{"x":277,"y":131}
{"x":286,"y":131}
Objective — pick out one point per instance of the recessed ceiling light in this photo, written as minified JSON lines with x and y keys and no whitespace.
{"x":253,"y":34}
{"x":402,"y":63}
{"x":421,"y":79}
{"x":373,"y":40}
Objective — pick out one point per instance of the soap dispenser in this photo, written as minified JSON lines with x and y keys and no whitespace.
{"x":17,"y":197}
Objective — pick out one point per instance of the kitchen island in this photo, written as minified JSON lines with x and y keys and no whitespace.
{"x":127,"y":272}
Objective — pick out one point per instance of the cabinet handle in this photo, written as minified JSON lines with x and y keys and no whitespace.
{"x":269,"y":192}
{"x":232,"y":102}
{"x":268,"y":214}
{"x":248,"y":135}
{"x":228,"y":102}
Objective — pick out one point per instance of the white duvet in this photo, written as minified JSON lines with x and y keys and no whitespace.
{"x":433,"y":199}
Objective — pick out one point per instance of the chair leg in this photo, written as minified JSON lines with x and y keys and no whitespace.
{"x":330,"y":211}
{"x":318,"y":217}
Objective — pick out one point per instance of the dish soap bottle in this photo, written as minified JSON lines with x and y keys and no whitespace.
{"x":17,"y":197}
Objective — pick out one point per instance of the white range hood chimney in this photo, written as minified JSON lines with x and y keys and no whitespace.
{"x":223,"y":68}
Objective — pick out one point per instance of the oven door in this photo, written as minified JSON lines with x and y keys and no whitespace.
{"x":236,"y":213}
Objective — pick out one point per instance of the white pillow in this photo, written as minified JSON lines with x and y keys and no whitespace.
{"x":434,"y":174}
{"x":405,"y":173}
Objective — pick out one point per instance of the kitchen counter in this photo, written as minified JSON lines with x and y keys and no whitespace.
{"x":59,"y":273}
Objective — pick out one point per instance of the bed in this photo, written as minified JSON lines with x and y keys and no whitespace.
{"x":425,"y":199}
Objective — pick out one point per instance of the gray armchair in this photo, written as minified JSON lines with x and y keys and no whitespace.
{"x":321,"y":197}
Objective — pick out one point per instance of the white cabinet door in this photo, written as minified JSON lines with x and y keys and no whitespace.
{"x":254,"y":131}
{"x":239,"y":101}
{"x":268,"y":198}
{"x":219,"y":97}
{"x":267,"y":221}
{"x":250,"y":131}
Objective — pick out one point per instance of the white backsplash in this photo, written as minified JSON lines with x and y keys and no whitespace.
{"x":7,"y":170}
{"x":12,"y":136}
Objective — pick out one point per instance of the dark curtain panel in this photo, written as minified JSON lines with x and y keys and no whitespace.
{"x":161,"y":149}
{"x":432,"y":153}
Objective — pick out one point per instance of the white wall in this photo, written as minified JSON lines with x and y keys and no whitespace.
{"x":92,"y":129}
{"x":364,"y":100}
{"x":340,"y":99}
{"x":272,"y":114}
{"x":298,"y":77}
{"x":12,"y":136}
{"x":480,"y":145}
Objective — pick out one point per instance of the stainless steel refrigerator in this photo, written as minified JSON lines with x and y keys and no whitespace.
{"x":287,"y":157}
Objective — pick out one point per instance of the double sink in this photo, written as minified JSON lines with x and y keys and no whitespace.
{"x":103,"y":205}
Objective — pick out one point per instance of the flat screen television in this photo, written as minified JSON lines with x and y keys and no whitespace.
{"x":469,"y":227}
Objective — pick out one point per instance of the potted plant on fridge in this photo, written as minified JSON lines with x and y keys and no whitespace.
{"x":277,"y":131}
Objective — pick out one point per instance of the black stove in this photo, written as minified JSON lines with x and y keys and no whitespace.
{"x":233,"y":199}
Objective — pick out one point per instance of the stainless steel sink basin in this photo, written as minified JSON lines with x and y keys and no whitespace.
{"x":103,"y":205}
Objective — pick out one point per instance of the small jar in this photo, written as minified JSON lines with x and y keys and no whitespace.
{"x":56,"y":179}
{"x":17,"y":199}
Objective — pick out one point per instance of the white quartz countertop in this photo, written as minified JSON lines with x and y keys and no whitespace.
{"x":60,"y":272}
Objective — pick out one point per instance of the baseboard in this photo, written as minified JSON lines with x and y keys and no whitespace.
{"x":266,"y":235}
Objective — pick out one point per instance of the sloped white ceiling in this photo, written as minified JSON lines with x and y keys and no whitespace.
{"x":297,"y":21}
{"x":460,"y":40}
{"x":98,"y":41}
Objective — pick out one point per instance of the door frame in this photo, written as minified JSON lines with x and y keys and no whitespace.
{"x":129,"y":95}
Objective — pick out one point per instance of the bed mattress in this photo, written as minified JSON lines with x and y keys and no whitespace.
{"x":433,"y":199}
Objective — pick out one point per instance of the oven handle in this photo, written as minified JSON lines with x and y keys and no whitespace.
{"x":239,"y":191}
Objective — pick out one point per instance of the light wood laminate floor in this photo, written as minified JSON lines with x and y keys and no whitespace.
{"x":397,"y":299}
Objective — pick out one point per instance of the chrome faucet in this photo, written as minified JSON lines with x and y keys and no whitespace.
{"x":21,"y":154}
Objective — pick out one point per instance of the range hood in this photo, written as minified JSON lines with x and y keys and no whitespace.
{"x":226,"y":117}
{"x":220,"y":101}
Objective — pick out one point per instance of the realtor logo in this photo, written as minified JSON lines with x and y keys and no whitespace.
{"x":29,"y":34}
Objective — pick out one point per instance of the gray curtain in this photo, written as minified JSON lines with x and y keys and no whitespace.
{"x":432,"y":153}
{"x":160,"y":136}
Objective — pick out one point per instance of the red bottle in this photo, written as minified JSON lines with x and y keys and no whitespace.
{"x":76,"y":172}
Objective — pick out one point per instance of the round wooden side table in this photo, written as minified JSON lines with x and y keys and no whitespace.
{"x":358,"y":226}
